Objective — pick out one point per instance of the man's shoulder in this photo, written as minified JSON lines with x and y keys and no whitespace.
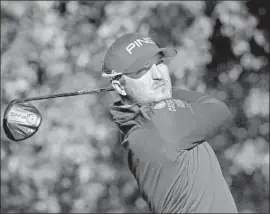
{"x":136,"y":131}
{"x":143,"y":134}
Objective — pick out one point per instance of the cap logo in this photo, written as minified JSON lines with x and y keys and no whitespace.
{"x":138,"y":43}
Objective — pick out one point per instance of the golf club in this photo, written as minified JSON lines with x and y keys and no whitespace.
{"x":22,"y":120}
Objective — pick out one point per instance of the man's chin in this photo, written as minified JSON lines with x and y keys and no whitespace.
{"x":162,"y":97}
{"x":156,"y":97}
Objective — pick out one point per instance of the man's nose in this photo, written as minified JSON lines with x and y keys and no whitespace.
{"x":156,"y":73}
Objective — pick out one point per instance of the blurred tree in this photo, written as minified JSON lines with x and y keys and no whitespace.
{"x":75,"y":162}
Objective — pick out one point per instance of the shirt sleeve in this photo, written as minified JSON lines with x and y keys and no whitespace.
{"x":189,"y":96}
{"x":208,"y":112}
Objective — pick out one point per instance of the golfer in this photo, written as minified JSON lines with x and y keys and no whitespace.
{"x":165,"y":130}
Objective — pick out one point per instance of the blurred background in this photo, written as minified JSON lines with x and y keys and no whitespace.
{"x":75,"y":163}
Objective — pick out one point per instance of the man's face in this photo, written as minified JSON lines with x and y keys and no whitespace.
{"x":153,"y":86}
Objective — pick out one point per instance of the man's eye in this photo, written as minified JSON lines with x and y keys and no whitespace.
{"x":145,"y":68}
{"x":142,"y":71}
{"x":160,"y":62}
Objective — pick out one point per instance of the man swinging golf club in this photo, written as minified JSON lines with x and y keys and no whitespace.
{"x":165,"y":130}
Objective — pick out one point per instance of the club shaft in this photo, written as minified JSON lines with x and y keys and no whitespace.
{"x":68,"y":94}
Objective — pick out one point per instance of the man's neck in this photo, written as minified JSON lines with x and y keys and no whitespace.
{"x":126,"y":102}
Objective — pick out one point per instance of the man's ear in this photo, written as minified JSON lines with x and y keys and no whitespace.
{"x":118,"y":87}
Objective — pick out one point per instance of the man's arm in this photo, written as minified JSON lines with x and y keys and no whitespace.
{"x":208,"y":112}
{"x":189,"y":96}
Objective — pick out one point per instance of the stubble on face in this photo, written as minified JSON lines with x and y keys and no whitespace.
{"x":144,"y":91}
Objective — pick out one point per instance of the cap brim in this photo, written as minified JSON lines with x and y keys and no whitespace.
{"x":167,"y":53}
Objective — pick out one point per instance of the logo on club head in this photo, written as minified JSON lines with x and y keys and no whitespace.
{"x":22,"y":117}
{"x":31,"y":118}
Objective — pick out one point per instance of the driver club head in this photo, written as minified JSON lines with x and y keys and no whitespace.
{"x":21,"y":120}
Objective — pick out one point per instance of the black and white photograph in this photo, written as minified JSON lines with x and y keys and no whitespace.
{"x":135,"y":106}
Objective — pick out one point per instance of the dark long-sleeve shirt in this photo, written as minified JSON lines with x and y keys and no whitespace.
{"x":175,"y":168}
